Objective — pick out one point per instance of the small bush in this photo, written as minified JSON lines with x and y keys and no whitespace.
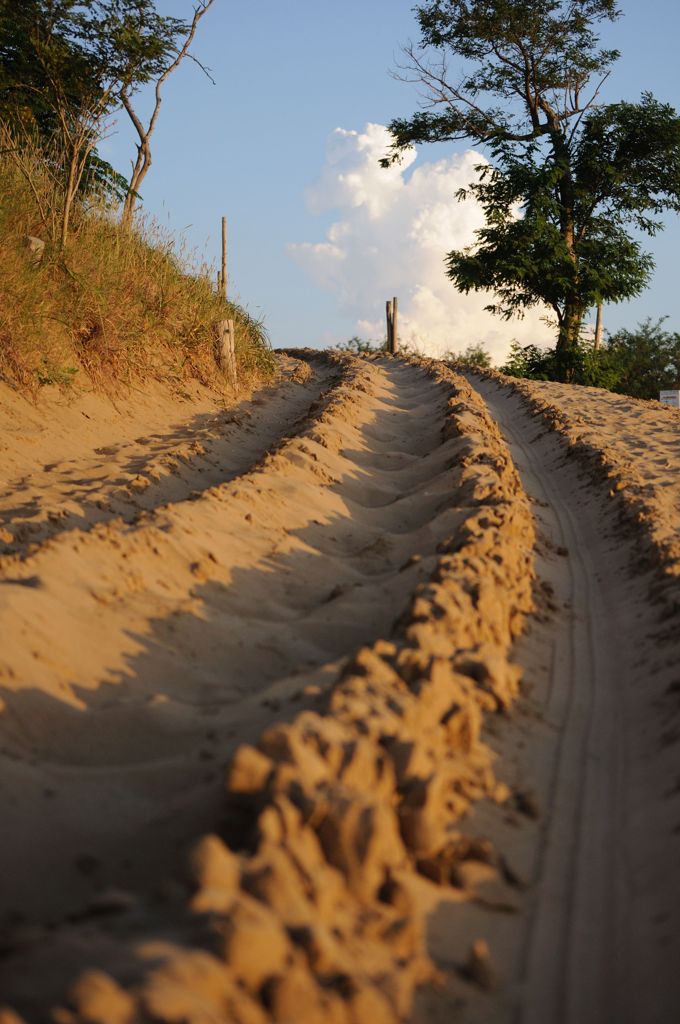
{"x":647,"y":359}
{"x":359,"y":347}
{"x":640,"y":363}
{"x":475,"y":355}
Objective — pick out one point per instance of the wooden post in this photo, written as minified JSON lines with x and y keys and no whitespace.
{"x":226,"y":338}
{"x":388,"y":311}
{"x":598,"y":327}
{"x":394,"y":326}
{"x":223,"y":277}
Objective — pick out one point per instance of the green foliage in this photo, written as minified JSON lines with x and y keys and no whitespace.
{"x":60,"y":376}
{"x":647,"y":359}
{"x":530,"y":362}
{"x":77,"y":51}
{"x":566,"y":178}
{"x":500,"y":45}
{"x":102,"y":180}
{"x":474,"y":355}
{"x":359,"y":346}
{"x":640,"y":363}
{"x":63,"y":64}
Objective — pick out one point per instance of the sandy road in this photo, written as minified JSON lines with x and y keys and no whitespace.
{"x":142,"y":653}
{"x":596,"y":943}
{"x":138,"y":654}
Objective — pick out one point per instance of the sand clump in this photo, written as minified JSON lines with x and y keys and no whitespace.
{"x":306,"y":886}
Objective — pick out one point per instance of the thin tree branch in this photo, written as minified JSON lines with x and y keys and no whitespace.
{"x":143,"y":162}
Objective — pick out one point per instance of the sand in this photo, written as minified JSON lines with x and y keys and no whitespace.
{"x":71,"y":461}
{"x":593,"y":743}
{"x":140,"y":654}
{"x":244,"y":683}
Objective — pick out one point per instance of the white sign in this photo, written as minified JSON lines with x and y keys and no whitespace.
{"x":670,"y":398}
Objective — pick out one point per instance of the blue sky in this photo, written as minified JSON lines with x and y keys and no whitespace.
{"x":288,"y":75}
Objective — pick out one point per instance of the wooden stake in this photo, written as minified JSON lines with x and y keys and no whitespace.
{"x":394,"y":326}
{"x":223,"y":278}
{"x":598,"y":327}
{"x":226,"y":339}
{"x":388,"y":311}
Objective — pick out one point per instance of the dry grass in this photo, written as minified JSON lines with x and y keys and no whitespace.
{"x":114,"y":308}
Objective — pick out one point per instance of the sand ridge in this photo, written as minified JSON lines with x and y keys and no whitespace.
{"x":399,"y":491}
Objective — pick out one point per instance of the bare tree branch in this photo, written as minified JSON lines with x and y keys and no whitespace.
{"x":144,"y":159}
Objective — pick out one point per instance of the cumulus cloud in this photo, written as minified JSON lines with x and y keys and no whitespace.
{"x":394,"y":228}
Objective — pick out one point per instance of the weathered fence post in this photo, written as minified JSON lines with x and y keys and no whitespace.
{"x":226,"y":339}
{"x":391,"y":311}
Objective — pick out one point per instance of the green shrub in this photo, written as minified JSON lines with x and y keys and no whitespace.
{"x":639,"y":363}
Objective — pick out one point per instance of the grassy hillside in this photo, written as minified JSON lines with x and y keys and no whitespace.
{"x":114,"y":307}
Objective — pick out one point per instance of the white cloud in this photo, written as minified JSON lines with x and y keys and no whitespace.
{"x":395,"y":227}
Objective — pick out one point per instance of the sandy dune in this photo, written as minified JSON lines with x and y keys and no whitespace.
{"x":316,"y":595}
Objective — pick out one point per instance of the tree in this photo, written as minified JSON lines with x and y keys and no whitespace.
{"x":565,"y":178}
{"x":143,"y":161}
{"x":64,"y":64}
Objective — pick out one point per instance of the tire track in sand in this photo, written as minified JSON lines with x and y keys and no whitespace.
{"x":143,"y":654}
{"x":99,"y":470}
{"x":592,"y":949}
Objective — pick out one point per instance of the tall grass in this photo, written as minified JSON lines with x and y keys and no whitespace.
{"x":113,"y":307}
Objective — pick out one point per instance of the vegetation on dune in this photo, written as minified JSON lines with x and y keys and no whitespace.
{"x":113,"y":305}
{"x":474,"y":355}
{"x":567,"y":177}
{"x":640,"y":362}
{"x":66,"y":66}
{"x":82,"y":296}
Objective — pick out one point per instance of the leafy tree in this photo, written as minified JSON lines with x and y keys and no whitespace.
{"x":566,"y":178}
{"x":64,"y":64}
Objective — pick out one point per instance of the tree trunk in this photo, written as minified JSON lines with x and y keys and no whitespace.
{"x":568,"y":339}
{"x":69,"y":195}
{"x":142,"y":165}
{"x":572,"y":315}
